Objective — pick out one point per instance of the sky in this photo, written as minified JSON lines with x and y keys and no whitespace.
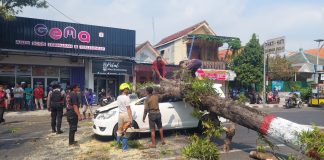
{"x":300,"y":21}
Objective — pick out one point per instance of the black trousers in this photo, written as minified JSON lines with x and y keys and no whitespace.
{"x":2,"y":109}
{"x":56,"y":114}
{"x":72,"y":119}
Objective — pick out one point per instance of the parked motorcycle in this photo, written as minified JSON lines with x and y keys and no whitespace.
{"x":106,"y":100}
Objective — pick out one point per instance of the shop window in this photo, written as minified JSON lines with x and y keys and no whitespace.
{"x":65,"y":82}
{"x":64,"y":72}
{"x":52,"y":71}
{"x":7,"y":80}
{"x":24,"y":70}
{"x":24,"y":80}
{"x":7,"y":69}
{"x":38,"y":71}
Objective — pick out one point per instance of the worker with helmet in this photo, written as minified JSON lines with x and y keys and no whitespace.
{"x":125,"y":117}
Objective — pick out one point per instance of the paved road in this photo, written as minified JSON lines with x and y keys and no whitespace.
{"x":20,"y":134}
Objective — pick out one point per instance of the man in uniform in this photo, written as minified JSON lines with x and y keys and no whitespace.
{"x":3,"y":103}
{"x":55,"y":101}
{"x":125,"y":117}
{"x":73,"y":113}
{"x":151,"y":106}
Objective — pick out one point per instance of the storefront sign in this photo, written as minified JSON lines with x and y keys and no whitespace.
{"x":112,"y":67}
{"x":221,"y":75}
{"x":61,"y":37}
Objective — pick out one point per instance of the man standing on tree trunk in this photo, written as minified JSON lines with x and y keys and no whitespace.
{"x":192,"y":65}
{"x":151,"y":106}
{"x":158,"y":68}
{"x":73,"y":113}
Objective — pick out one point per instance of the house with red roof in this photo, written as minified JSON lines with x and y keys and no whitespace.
{"x":176,"y":47}
{"x":145,"y":55}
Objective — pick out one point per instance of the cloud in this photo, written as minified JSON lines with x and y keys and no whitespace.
{"x":300,"y":22}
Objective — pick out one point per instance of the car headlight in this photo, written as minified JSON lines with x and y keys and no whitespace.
{"x":106,"y":115}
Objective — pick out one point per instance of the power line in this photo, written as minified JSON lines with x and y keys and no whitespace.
{"x":61,"y":12}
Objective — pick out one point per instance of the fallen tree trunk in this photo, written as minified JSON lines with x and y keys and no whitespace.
{"x":266,"y":124}
{"x":262,"y":156}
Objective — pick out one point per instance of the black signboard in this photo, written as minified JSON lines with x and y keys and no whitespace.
{"x":29,"y":34}
{"x":110,"y":67}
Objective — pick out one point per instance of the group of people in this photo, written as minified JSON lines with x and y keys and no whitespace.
{"x":72,"y":100}
{"x":159,"y":69}
{"x":23,"y":96}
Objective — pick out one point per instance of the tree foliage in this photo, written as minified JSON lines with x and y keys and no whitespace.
{"x":10,"y":8}
{"x":280,"y":68}
{"x":249,"y":64}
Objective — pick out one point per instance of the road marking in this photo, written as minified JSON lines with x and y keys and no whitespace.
{"x":247,"y":149}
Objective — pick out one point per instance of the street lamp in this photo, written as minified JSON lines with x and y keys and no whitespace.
{"x":316,"y":68}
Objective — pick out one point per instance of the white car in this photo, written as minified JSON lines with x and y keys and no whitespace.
{"x":176,"y":114}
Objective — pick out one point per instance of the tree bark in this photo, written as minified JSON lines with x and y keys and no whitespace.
{"x":266,"y":124}
{"x":262,"y":156}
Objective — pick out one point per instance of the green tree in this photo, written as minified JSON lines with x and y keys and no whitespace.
{"x":10,"y":8}
{"x":280,"y":68}
{"x":248,"y":65}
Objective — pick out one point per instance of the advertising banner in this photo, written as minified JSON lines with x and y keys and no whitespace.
{"x":221,"y":75}
{"x":279,"y":85}
{"x":45,"y":36}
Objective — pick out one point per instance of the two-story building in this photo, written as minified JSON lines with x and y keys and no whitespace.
{"x":194,"y":43}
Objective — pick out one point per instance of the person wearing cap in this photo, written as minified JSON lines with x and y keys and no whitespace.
{"x":125,"y":117}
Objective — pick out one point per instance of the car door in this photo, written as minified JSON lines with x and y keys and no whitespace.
{"x":138,"y":111}
{"x":170,"y":117}
{"x":184,"y":110}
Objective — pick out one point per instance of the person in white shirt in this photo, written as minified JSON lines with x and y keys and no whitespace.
{"x":125,"y":118}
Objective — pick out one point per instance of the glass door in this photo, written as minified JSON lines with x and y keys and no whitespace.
{"x":49,"y":83}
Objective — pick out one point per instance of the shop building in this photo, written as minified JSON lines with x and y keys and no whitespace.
{"x":42,"y":51}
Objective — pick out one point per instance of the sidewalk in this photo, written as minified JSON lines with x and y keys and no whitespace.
{"x":44,"y":112}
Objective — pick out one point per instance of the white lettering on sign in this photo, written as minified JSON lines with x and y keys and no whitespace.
{"x":21,"y":42}
{"x":110,"y":65}
{"x":41,"y":44}
{"x":60,"y":45}
{"x":274,"y":46}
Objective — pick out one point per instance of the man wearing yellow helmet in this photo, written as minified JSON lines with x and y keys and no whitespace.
{"x":125,"y":114}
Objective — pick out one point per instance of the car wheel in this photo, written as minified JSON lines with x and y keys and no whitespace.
{"x":131,"y":136}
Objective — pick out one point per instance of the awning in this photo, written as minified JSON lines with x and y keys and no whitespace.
{"x":221,"y":75}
